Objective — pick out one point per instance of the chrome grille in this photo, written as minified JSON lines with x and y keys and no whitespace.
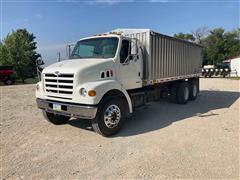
{"x":59,"y":84}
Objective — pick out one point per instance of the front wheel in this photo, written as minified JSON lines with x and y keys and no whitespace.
{"x":55,"y":118}
{"x":110,"y":116}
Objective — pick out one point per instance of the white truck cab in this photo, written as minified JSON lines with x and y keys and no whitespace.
{"x":106,"y":76}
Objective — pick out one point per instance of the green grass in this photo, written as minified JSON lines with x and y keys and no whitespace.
{"x":27,"y":81}
{"x":233,"y":78}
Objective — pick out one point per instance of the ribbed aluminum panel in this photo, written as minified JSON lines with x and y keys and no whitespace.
{"x":170,"y":57}
{"x":165,"y":56}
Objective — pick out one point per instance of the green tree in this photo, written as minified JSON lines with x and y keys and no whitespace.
{"x":220,"y":45}
{"x":3,"y":54}
{"x":232,"y":43}
{"x":187,"y":37}
{"x":18,"y":49}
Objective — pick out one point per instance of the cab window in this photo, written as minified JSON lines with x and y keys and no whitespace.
{"x":124,"y":50}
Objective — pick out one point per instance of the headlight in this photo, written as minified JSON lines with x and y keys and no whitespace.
{"x":83,"y":92}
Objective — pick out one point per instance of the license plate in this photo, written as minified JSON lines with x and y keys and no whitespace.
{"x":57,"y":107}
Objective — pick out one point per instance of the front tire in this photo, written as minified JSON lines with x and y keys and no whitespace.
{"x":55,"y":118}
{"x":110,"y":116}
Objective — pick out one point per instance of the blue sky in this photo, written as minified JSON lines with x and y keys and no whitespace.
{"x":55,"y":23}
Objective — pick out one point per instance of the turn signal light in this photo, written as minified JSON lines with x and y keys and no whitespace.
{"x":92,"y":93}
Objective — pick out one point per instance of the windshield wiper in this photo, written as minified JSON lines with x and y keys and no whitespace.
{"x":98,"y":53}
{"x":78,"y":56}
{"x":95,"y":52}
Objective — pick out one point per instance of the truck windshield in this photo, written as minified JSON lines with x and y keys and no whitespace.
{"x":95,"y":48}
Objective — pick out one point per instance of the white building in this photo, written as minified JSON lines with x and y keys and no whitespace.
{"x":234,"y":66}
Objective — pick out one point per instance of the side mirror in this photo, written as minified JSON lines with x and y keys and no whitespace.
{"x":39,"y":62}
{"x":130,"y":57}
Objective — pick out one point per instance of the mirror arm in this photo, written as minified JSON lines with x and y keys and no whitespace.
{"x":126,"y":62}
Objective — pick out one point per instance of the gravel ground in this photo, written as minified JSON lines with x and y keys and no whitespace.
{"x":162,"y":140}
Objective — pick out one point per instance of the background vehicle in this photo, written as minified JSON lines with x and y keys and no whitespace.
{"x":208,"y":70}
{"x":6,"y":75}
{"x":110,"y":74}
{"x":221,"y":69}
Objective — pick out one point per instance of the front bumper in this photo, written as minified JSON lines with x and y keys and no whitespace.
{"x":72,"y":110}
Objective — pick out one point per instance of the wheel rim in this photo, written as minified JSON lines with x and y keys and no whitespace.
{"x":194,"y":90}
{"x":112,"y":116}
{"x":186,"y":93}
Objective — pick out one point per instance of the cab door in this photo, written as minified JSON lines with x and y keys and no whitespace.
{"x":130,"y":71}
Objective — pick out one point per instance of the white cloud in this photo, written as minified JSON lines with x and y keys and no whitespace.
{"x":38,"y":16}
{"x":158,"y":1}
{"x":25,"y":20}
{"x":113,"y":2}
{"x":34,"y":17}
{"x":108,"y":2}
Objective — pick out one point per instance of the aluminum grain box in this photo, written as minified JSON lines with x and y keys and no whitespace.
{"x":165,"y":56}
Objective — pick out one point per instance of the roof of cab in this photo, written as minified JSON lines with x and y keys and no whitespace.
{"x":110,"y":34}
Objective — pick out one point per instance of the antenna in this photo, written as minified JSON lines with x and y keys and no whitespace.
{"x":59,"y":57}
{"x":69,"y":49}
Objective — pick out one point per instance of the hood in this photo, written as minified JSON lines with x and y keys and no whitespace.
{"x":75,"y":65}
{"x":88,"y":69}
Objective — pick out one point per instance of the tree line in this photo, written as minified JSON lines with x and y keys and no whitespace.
{"x":218,"y":44}
{"x":18,"y":48}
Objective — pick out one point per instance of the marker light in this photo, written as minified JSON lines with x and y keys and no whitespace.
{"x":92,"y":93}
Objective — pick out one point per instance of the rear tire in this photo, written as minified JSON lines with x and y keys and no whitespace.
{"x":110,"y":116}
{"x":55,"y":118}
{"x":173,"y":92}
{"x":182,"y":93}
{"x":193,"y":90}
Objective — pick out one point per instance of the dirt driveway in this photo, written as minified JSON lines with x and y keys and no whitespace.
{"x":163,"y":140}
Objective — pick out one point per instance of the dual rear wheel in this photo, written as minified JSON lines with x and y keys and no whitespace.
{"x":181,"y":92}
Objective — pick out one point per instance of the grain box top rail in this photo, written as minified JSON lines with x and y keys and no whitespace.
{"x":174,"y":38}
{"x":152,"y":32}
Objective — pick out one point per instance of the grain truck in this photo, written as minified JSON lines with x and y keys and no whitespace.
{"x":108,"y":75}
